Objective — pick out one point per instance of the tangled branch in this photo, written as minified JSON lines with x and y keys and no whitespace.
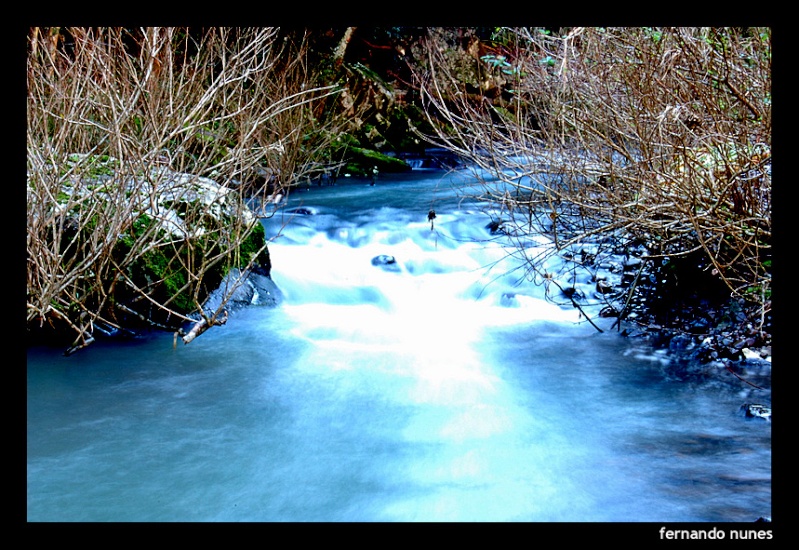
{"x":656,"y":134}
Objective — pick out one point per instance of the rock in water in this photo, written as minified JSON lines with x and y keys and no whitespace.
{"x":387,"y":262}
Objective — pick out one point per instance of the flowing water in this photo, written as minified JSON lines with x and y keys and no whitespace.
{"x":441,"y":387}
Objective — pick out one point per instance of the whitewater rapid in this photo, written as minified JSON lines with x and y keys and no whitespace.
{"x":441,"y":386}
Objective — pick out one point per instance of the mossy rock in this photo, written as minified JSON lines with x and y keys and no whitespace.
{"x":166,"y":267}
{"x":162,"y":270}
{"x":364,"y":160}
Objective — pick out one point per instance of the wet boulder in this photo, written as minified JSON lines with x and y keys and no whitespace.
{"x":251,"y":288}
{"x":756,"y":410}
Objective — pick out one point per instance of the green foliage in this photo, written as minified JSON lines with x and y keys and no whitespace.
{"x":137,"y":229}
{"x":501,"y":63}
{"x":165,"y":270}
{"x":757,"y":293}
{"x":655,"y":35}
{"x":92,"y":166}
{"x":548,"y":60}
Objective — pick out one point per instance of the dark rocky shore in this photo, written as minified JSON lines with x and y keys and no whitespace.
{"x":677,"y":307}
{"x":706,"y":335}
{"x":702,"y":326}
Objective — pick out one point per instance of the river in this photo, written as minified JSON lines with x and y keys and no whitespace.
{"x":442,"y":387}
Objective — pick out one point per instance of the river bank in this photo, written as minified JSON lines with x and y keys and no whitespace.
{"x":714,"y":336}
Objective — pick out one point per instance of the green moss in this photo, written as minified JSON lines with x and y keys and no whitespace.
{"x":167,"y":272}
{"x":252,"y":245}
{"x":163,"y":270}
{"x":161,"y":267}
{"x":93,"y":166}
{"x":363,"y":160}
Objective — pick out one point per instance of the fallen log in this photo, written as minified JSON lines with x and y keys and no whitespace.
{"x":83,"y":342}
{"x":202,"y":325}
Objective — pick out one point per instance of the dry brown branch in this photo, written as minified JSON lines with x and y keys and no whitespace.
{"x":145,"y":147}
{"x":660,"y":133}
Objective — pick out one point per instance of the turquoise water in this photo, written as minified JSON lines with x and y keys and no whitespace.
{"x":446,"y":388}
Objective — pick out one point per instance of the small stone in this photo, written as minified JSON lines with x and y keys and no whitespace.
{"x":572,"y":292}
{"x":303,"y":211}
{"x":756,"y":410}
{"x":496,"y":227}
{"x":387,"y":262}
{"x":604,"y":287}
{"x":632,"y":262}
{"x":608,"y":311}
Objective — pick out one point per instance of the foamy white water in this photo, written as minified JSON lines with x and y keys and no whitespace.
{"x":441,"y":387}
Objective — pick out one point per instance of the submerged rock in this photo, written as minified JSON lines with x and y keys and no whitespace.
{"x":386,"y":261}
{"x":303,"y":211}
{"x":496,"y":227}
